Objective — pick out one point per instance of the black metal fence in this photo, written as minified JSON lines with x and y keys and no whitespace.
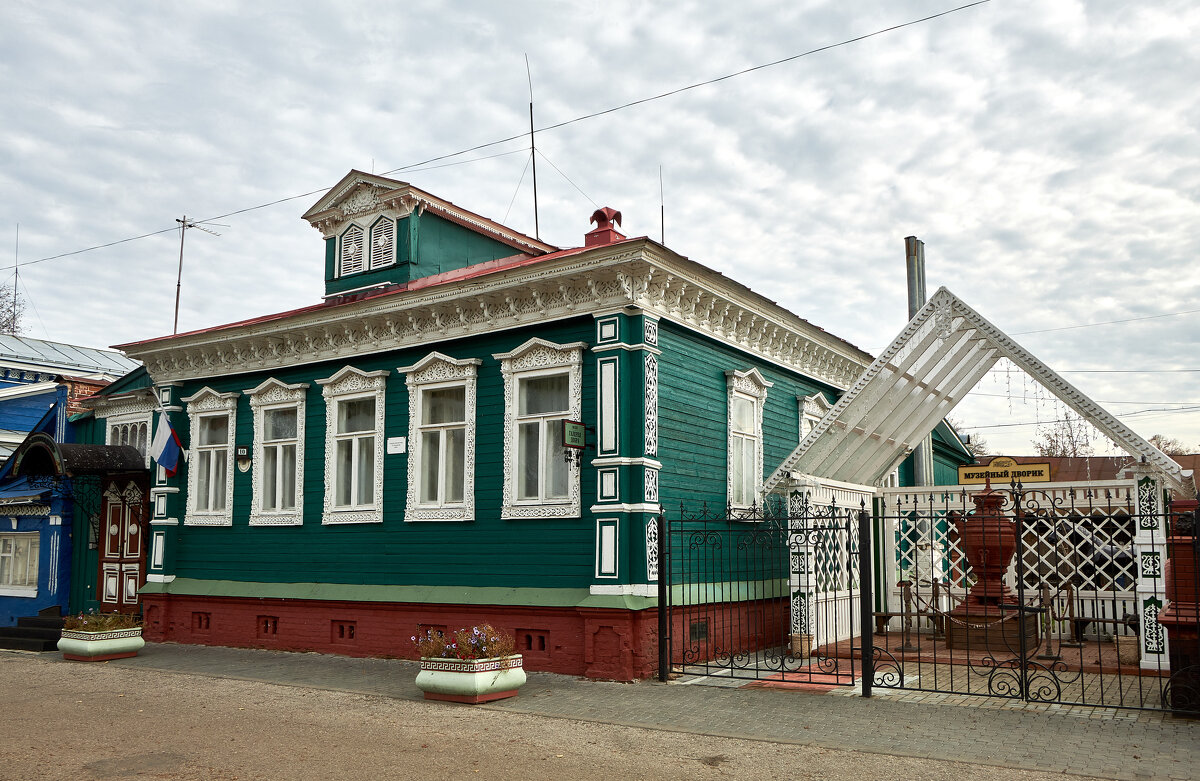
{"x":1046,"y":597}
{"x":761,"y":593}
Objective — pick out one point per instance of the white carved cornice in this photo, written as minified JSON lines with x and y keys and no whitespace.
{"x":437,"y":367}
{"x":602,"y":279}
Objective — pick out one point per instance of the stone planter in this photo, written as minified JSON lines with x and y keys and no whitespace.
{"x":471,"y":680}
{"x":1129,"y":650}
{"x":802,"y":646}
{"x":100,"y":646}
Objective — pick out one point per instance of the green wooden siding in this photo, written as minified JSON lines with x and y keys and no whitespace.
{"x":489,"y":551}
{"x":426,"y":244}
{"x":693,"y":415}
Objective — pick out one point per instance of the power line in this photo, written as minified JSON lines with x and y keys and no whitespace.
{"x":1064,"y":420}
{"x":1098,"y":401}
{"x":523,"y":135}
{"x":1106,"y":322}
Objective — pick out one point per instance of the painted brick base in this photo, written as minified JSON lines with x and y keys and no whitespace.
{"x":598,"y":643}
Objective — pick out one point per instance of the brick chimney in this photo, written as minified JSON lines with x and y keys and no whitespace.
{"x":604,"y":232}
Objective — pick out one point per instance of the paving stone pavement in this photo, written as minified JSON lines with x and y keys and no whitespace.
{"x":1097,"y":742}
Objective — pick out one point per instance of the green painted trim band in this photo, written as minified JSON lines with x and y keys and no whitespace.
{"x":444,"y":595}
{"x":681,"y":594}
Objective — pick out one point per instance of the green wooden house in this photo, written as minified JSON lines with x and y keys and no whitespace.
{"x":392,"y":459}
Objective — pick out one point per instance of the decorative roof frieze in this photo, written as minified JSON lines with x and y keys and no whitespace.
{"x":639,"y":275}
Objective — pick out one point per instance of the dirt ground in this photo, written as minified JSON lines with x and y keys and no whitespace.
{"x":104,"y":721}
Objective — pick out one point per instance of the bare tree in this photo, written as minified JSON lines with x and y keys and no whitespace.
{"x":1169,"y":445}
{"x":974,"y":443}
{"x":1067,"y":437}
{"x":12,"y":311}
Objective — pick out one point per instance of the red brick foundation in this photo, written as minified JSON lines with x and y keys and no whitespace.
{"x":598,"y":643}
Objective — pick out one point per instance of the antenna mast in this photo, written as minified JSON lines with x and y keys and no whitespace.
{"x":16,"y":278}
{"x":537,"y":233}
{"x":184,"y":224}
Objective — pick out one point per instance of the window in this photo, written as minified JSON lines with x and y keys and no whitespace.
{"x":353,"y":446}
{"x":278,"y":475}
{"x":542,"y":405}
{"x":352,"y":251}
{"x":441,"y":427}
{"x":19,"y":564}
{"x":210,"y":462}
{"x":812,"y":409}
{"x":126,"y":428}
{"x":365,"y":250}
{"x":541,"y":390}
{"x":747,"y":394}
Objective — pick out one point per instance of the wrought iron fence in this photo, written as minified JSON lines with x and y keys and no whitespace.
{"x":765,"y":592}
{"x":1065,"y":608}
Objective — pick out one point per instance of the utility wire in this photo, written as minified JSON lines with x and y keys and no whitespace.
{"x":564,"y":176}
{"x":1106,"y":322}
{"x":1064,"y":420}
{"x":523,"y":135}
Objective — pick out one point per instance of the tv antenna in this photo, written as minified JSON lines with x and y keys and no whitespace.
{"x":184,"y":224}
{"x":537,"y":232}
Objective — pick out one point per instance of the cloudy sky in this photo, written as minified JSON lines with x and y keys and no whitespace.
{"x":1047,"y":153}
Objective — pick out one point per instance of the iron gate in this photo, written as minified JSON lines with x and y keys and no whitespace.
{"x":768,"y":592}
{"x":1065,"y":612}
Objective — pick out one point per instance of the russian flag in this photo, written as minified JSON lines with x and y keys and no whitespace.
{"x":166,"y":447}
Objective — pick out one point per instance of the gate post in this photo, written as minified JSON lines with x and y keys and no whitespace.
{"x":866,"y":603}
{"x":664,"y":600}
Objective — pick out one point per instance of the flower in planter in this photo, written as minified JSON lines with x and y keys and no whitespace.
{"x":101,"y":622}
{"x":477,"y":642}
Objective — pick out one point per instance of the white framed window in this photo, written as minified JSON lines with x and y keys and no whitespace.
{"x":383,"y":242}
{"x":354,"y":407}
{"x":812,"y":409}
{"x":277,"y":476}
{"x":212,"y":418}
{"x":19,"y":564}
{"x":441,"y":432}
{"x":351,"y":251}
{"x":365,"y":249}
{"x":542,"y":388}
{"x":747,"y":392}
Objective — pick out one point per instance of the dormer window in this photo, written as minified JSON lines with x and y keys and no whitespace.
{"x":367,"y":250}
{"x":383,"y":242}
{"x":352,"y":251}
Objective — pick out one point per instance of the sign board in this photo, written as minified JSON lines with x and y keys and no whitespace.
{"x":574,"y":434}
{"x":1003,"y":470}
{"x":397,"y":445}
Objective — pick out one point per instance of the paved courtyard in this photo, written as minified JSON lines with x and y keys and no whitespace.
{"x":896,"y":735}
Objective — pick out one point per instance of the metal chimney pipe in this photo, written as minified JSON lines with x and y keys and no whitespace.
{"x":914,"y":252}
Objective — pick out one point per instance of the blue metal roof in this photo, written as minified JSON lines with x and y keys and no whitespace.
{"x":60,"y":358}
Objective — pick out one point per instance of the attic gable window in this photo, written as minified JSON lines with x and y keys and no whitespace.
{"x":383,"y":242}
{"x":362,"y":249}
{"x":352,"y":251}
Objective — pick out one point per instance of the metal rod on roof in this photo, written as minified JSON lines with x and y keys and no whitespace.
{"x":537,"y":232}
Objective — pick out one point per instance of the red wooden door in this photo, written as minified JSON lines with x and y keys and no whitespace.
{"x":122,"y":549}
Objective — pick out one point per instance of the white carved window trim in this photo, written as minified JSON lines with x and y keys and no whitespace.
{"x":207,"y":403}
{"x":133,"y":429}
{"x":812,"y":409}
{"x":440,"y":371}
{"x":352,"y":251}
{"x":538,"y":357}
{"x":272,"y":395}
{"x":28,"y":585}
{"x":346,"y":385}
{"x":382,"y":242}
{"x":750,"y":385}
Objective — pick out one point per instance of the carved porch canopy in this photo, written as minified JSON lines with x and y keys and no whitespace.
{"x":940,"y":355}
